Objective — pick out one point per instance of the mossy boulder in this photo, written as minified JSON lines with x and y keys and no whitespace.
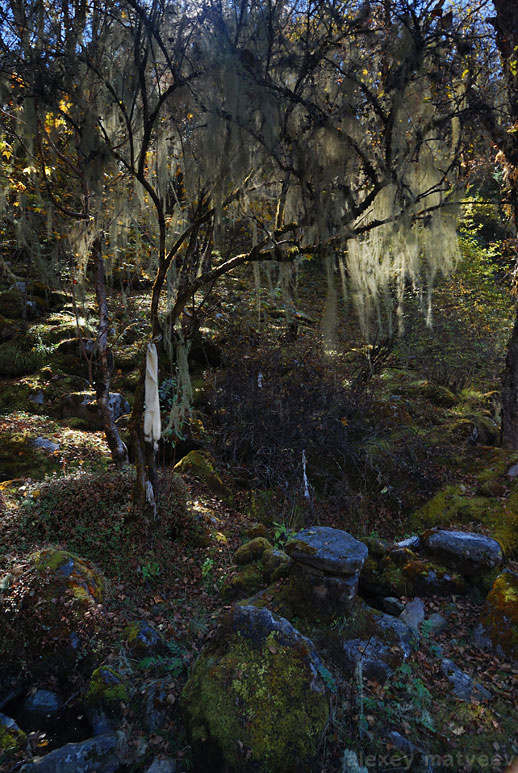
{"x":105,"y":698}
{"x":276,"y":564}
{"x":255,"y":701}
{"x":257,"y":530}
{"x":14,"y":303}
{"x":245,"y":582}
{"x":11,"y":737}
{"x":436,"y":394}
{"x":391,"y":576}
{"x":81,"y":577}
{"x":50,"y":613}
{"x":497,"y":628}
{"x":142,"y":640}
{"x":380,"y":641}
{"x":20,"y":458}
{"x":252,"y":550}
{"x":200,"y":466}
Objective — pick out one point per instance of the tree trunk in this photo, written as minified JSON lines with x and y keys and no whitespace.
{"x":118,"y":449}
{"x":509,"y":431}
{"x":506,"y":25}
{"x":145,"y":487}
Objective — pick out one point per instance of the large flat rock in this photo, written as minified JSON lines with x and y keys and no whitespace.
{"x":330,"y":550}
{"x":467,"y":552}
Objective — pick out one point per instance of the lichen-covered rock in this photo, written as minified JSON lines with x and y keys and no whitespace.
{"x":389,"y":577}
{"x":466,"y":552}
{"x":104,"y":699}
{"x":330,"y":550}
{"x":142,"y":640}
{"x":497,"y":628}
{"x":200,"y":466}
{"x":11,"y":737}
{"x":50,"y":612}
{"x":85,"y":581}
{"x":101,"y":754}
{"x":255,"y":700}
{"x":252,"y":550}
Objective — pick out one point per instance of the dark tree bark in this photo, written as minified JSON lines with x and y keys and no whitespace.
{"x":117,"y":448}
{"x":506,"y":25}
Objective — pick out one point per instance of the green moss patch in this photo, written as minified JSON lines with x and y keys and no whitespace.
{"x":198,"y":465}
{"x":499,"y":617}
{"x":251,"y":707}
{"x":454,"y":506}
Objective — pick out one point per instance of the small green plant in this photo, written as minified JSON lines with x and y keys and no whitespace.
{"x":327,"y":678}
{"x":150,"y":571}
{"x":207,"y":570}
{"x":281,"y":534}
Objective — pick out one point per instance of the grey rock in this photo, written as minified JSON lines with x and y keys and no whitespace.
{"x":143,"y":640}
{"x":37,"y":397}
{"x":413,"y":614}
{"x":102,"y":753}
{"x":402,"y":743}
{"x":467,"y":552}
{"x":156,"y":707}
{"x":45,"y":444}
{"x":383,"y":644}
{"x":163,"y":765}
{"x":482,"y":639}
{"x":83,"y":405}
{"x":118,"y":404}
{"x":463,"y":685}
{"x":393,"y":606}
{"x":104,"y":711}
{"x":350,"y":763}
{"x":411,"y":542}
{"x":435,"y":624}
{"x":512,"y":472}
{"x":322,"y":595}
{"x":43,"y":702}
{"x":330,"y":550}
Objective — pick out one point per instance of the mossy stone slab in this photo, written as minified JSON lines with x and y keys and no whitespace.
{"x":332,"y":551}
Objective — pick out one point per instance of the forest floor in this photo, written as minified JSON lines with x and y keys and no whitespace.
{"x":378,"y":445}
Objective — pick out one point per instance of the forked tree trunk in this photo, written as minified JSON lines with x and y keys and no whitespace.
{"x":117,"y":448}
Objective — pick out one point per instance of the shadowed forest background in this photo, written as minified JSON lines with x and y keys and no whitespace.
{"x":258,"y":385}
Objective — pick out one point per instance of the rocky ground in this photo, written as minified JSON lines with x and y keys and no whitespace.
{"x":368,"y":620}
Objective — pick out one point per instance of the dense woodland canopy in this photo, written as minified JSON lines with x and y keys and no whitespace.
{"x":321,"y":195}
{"x":186,"y":140}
